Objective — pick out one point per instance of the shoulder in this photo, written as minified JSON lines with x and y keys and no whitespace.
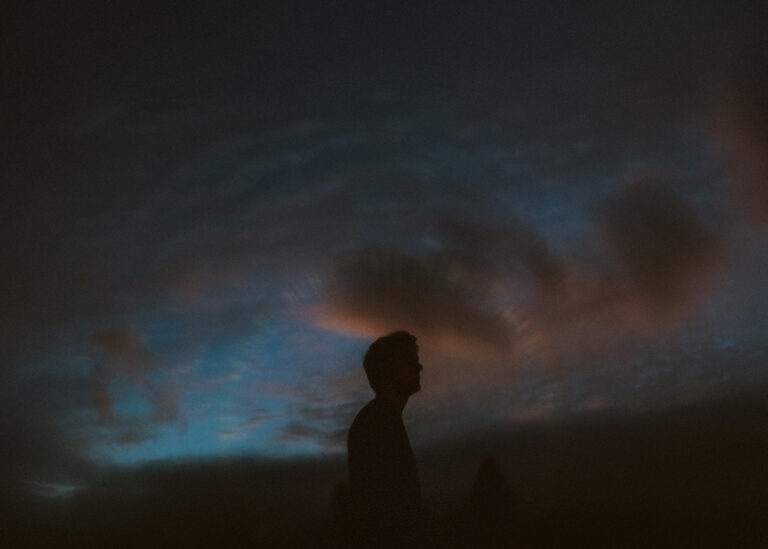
{"x":368,"y":414}
{"x":374,"y":416}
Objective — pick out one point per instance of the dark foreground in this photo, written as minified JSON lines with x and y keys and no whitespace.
{"x":695,"y":477}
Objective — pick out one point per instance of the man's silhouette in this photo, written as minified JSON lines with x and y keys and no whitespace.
{"x":383,"y":480}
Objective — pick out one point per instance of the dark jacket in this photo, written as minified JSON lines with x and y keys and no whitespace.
{"x":384,"y":483}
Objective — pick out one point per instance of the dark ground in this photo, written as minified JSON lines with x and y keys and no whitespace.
{"x":692,"y":477}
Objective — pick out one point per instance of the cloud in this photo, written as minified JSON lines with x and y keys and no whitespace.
{"x":375,"y":290}
{"x":507,"y":248}
{"x":741,"y":127}
{"x":450,"y":291}
{"x":322,"y":410}
{"x":165,"y":404}
{"x":104,"y":401}
{"x":32,"y":443}
{"x":661,"y":244}
{"x":646,"y":267}
{"x":125,"y":356}
{"x":244,"y":429}
{"x":492,"y":302}
{"x":124,"y":352}
{"x":298,"y":432}
{"x":274,"y":388}
{"x":129,"y":433}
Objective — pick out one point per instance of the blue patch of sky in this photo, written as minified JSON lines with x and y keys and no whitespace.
{"x":165,"y":333}
{"x":168,"y":442}
{"x":281,"y":353}
{"x":203,"y":438}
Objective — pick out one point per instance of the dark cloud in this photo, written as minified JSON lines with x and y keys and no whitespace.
{"x":36,"y":452}
{"x":509,"y":248}
{"x":451,"y":287}
{"x":125,"y":356}
{"x":664,"y":248}
{"x":33,"y":446}
{"x":741,"y":126}
{"x":650,"y":263}
{"x":498,"y":295}
{"x":165,"y":404}
{"x":325,"y":422}
{"x":104,"y":401}
{"x":124,"y":351}
{"x":377,"y":290}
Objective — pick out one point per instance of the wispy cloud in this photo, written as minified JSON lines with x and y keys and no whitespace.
{"x":244,"y":428}
{"x":123,"y":352}
{"x":378,"y":291}
{"x":124,"y":356}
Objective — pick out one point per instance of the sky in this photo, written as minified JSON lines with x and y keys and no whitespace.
{"x":212,"y":210}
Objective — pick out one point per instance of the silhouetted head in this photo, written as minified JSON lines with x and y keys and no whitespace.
{"x":392,"y":362}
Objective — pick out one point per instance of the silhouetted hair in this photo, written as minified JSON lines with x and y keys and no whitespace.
{"x":384,"y":352}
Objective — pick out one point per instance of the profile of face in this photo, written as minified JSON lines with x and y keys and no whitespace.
{"x":406,"y":374}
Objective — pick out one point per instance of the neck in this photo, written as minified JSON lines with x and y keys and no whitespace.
{"x":394,"y":399}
